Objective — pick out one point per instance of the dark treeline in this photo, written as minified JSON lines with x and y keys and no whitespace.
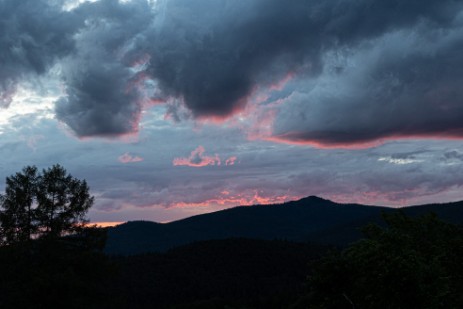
{"x":233,"y":273}
{"x":410,"y":263}
{"x":407,"y":262}
{"x":56,"y":273}
{"x":48,"y":257}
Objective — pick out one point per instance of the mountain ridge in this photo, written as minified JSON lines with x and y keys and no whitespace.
{"x":310,"y":219}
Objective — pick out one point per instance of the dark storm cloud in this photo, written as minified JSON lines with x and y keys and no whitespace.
{"x":408,"y":85}
{"x":211,"y":55}
{"x":103,"y":95}
{"x":33,"y":35}
{"x":97,"y":101}
{"x":88,"y":44}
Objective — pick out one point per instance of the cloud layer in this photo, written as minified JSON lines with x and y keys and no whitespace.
{"x":361,"y":72}
{"x":396,"y":173}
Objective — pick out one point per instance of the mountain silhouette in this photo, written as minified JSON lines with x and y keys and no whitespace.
{"x":311,"y":219}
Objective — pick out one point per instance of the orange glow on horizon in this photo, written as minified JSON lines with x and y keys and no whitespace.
{"x":106,"y":223}
{"x":231,"y":200}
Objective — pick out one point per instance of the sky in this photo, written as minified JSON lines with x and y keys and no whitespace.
{"x":172,"y":108}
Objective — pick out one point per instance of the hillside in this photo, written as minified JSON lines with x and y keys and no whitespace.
{"x":231,"y":273}
{"x":310,"y":219}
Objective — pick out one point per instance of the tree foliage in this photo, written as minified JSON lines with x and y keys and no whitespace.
{"x":69,"y":272}
{"x":47,"y":204}
{"x":17,"y":215}
{"x":412,"y":263}
{"x":52,"y":271}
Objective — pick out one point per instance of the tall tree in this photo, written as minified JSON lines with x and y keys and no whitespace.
{"x":18,"y":207}
{"x":51,"y":203}
{"x":63,"y":202}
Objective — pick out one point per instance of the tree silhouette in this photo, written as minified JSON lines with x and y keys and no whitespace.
{"x":63,"y":202}
{"x":412,"y":263}
{"x":18,"y":217}
{"x":48,"y":258}
{"x":50,"y":204}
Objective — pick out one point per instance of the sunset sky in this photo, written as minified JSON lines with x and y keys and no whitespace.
{"x":172,"y":108}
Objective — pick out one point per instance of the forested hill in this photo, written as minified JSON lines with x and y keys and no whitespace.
{"x":310,"y":219}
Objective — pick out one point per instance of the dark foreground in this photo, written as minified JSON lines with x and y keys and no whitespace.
{"x":409,"y":263}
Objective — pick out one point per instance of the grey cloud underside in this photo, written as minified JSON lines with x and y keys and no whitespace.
{"x":363,"y":70}
{"x":406,"y":85}
{"x":213,"y":53}
{"x":83,"y":109}
{"x":33,"y":35}
{"x":102,"y":96}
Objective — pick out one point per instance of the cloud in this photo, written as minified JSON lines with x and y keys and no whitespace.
{"x":35,"y":35}
{"x":231,"y":161}
{"x":405,"y":86}
{"x":399,"y":161}
{"x":214,"y":61}
{"x":360,"y":69}
{"x":87,"y":47}
{"x":453,"y":155}
{"x":103,"y":84}
{"x":274,"y":171}
{"x":356,"y":73}
{"x":128,"y":158}
{"x":197,"y":159}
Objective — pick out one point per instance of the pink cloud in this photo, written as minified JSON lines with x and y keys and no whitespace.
{"x":229,"y":199}
{"x":230,"y":161}
{"x":256,"y":119}
{"x":128,"y":158}
{"x":197,"y":158}
{"x":280,"y":85}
